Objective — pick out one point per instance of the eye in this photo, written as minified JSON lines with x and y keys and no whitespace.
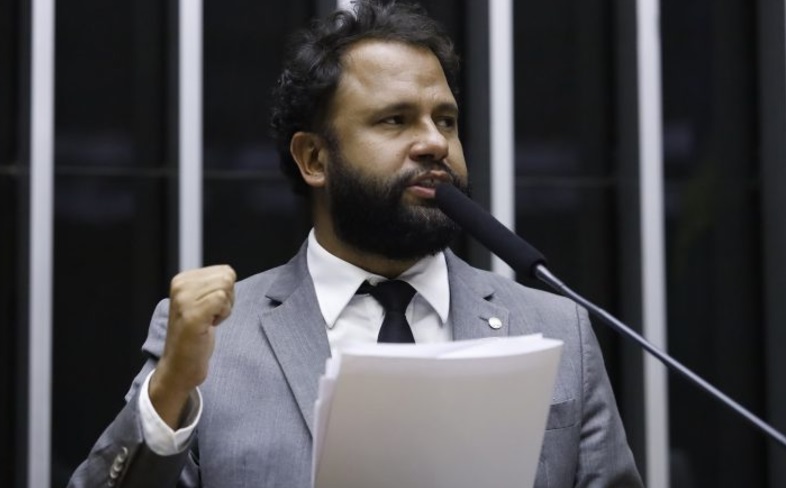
{"x":446,"y":122}
{"x":392,"y":120}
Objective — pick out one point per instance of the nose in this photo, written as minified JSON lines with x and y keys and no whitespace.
{"x":430,"y":143}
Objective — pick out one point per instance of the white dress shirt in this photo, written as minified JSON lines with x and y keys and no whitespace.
{"x":350,"y":318}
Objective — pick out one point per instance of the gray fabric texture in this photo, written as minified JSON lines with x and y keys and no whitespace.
{"x":256,"y":426}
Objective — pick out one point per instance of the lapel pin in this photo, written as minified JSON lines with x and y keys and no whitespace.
{"x":495,"y":323}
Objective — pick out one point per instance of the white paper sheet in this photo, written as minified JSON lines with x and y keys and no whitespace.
{"x":456,"y":414}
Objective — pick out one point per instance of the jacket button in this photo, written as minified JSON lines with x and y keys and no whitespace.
{"x":117,"y":466}
{"x":123,"y":455}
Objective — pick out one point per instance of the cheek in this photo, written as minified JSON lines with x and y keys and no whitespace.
{"x":375,"y":156}
{"x":456,"y":158}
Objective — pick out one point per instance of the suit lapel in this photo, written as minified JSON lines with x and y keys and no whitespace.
{"x":296,"y":332}
{"x":472,"y":315}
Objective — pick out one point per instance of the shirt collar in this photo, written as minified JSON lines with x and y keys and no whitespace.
{"x":336,"y":281}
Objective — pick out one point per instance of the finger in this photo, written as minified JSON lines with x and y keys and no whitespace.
{"x":200,"y":313}
{"x":195,"y":284}
{"x":223,"y":314}
{"x":231,"y":296}
{"x":221,"y":282}
{"x":205,"y":277}
{"x":215,"y":304}
{"x":216,"y":268}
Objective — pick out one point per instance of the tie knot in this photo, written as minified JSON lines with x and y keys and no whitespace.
{"x":393,"y":295}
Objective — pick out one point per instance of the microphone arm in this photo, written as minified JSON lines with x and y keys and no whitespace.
{"x":544,"y":275}
{"x":525,"y":259}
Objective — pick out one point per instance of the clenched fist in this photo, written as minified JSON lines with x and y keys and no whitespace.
{"x":199,"y":300}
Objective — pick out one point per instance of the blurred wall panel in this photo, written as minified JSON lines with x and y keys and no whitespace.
{"x":113,"y":176}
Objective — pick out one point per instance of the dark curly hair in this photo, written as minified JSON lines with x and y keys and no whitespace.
{"x":313,"y":68}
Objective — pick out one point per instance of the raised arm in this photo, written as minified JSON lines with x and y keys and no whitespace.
{"x":179,"y":346}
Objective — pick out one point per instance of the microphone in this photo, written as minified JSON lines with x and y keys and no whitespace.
{"x":490,"y":232}
{"x":525,"y":259}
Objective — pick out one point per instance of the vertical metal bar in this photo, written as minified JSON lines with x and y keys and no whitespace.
{"x":771,"y":30}
{"x":190,"y":137}
{"x":503,"y":171}
{"x":476,"y":113}
{"x":631,"y":363}
{"x":41,"y":230}
{"x":652,"y":238}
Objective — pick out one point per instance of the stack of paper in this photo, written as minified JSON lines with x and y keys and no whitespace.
{"x":456,"y":414}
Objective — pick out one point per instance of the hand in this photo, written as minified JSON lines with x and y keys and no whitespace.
{"x":200,"y":300}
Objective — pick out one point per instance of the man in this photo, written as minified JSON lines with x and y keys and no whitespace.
{"x":366,"y":120}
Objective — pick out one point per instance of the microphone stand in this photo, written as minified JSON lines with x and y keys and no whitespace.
{"x":527,"y":260}
{"x":543,"y":274}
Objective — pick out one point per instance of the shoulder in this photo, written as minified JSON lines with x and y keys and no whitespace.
{"x":530,"y":310}
{"x":499,"y":288}
{"x":259,"y":282}
{"x":275,"y":284}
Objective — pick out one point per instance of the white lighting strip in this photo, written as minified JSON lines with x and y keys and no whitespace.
{"x":41,"y":230}
{"x":503,"y":171}
{"x":190,"y":137}
{"x":652,"y":240}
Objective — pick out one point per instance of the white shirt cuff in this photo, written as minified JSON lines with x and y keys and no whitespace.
{"x":159,"y":437}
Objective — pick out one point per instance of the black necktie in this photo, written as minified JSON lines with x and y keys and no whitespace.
{"x":394,"y":296}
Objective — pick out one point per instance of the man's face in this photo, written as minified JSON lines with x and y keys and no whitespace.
{"x":393,"y":136}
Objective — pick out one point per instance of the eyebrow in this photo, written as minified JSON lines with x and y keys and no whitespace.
{"x":401,"y":106}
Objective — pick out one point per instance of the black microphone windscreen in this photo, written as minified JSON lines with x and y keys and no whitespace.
{"x":490,"y":232}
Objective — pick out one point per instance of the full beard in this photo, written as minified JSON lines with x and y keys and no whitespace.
{"x":369,"y":215}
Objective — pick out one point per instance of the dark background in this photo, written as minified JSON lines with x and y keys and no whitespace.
{"x":115,"y":245}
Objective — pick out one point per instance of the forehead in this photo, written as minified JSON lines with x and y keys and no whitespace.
{"x":377,"y":73}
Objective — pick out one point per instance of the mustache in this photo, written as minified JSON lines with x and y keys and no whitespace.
{"x":400,"y":183}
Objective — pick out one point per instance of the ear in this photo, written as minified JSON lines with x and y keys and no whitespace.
{"x":308,"y":151}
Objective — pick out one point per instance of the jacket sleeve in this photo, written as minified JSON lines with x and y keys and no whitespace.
{"x":604,"y":456}
{"x":120,"y":457}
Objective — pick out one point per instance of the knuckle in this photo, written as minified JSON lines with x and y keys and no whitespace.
{"x":175,"y":284}
{"x":227,"y":282}
{"x":180,"y":300}
{"x":223,"y":297}
{"x":227,"y":273}
{"x":216,"y":298}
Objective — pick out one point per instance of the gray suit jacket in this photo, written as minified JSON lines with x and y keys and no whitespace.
{"x":256,"y":425}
